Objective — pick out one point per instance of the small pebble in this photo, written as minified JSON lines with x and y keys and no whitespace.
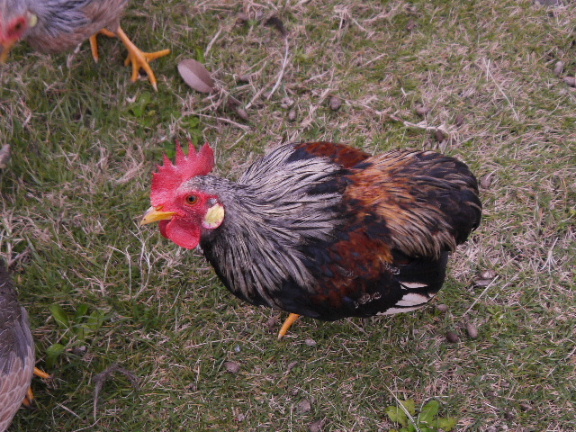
{"x":440,"y":135}
{"x":310,"y":342}
{"x":488,"y":274}
{"x":291,"y":366}
{"x":422,"y":110}
{"x":486,"y":181}
{"x":232,"y":367}
{"x":335,"y":103}
{"x":472,"y":331}
{"x":452,"y":337}
{"x":272,"y":322}
{"x":292,"y":115}
{"x":317,"y":426}
{"x":459,"y":120}
{"x":241,"y":112}
{"x":304,"y":406}
{"x":571,"y":81}
{"x":287,"y":103}
{"x":559,"y":67}
{"x":482,"y":282}
{"x":442,"y":307}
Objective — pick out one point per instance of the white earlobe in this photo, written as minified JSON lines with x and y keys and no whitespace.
{"x":214,"y":217}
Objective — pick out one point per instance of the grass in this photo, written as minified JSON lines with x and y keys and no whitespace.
{"x":85,"y":142}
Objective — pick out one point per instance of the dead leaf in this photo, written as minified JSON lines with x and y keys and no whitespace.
{"x":196,"y":75}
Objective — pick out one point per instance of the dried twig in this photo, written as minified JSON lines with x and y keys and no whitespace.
{"x":102,"y":377}
{"x":209,"y":46}
{"x":421,"y":125}
{"x":282,"y":70}
{"x":489,"y":74}
{"x":223,"y":119}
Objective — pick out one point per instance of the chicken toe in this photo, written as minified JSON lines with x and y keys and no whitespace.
{"x":287,"y":324}
{"x":140,"y":59}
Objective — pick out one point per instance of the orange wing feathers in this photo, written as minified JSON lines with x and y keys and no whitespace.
{"x":340,"y":154}
{"x":428,"y":202}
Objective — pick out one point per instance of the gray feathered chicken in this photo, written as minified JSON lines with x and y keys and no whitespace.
{"x":16,"y":351}
{"x":54,"y":26}
{"x":322,"y":229}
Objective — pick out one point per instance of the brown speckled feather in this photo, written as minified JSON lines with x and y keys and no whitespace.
{"x":16,"y":351}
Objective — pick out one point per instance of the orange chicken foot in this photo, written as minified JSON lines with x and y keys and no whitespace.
{"x":138,"y":58}
{"x":287,"y":324}
{"x":29,"y":398}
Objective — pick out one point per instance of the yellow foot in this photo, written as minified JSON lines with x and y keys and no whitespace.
{"x":140,"y":59}
{"x":94,"y":43}
{"x":40,"y":373}
{"x":29,"y":398}
{"x":287,"y":324}
{"x":94,"y":48}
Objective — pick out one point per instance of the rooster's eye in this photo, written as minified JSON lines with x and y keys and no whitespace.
{"x":191,"y":199}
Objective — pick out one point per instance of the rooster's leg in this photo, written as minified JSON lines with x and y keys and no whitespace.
{"x":287,"y":324}
{"x":29,"y":398}
{"x":140,"y":59}
{"x":94,"y":43}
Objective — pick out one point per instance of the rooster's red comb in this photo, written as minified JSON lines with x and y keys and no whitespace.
{"x":170,"y":176}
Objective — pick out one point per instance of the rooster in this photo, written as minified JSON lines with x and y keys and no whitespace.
{"x":60,"y":25}
{"x":321,"y":229}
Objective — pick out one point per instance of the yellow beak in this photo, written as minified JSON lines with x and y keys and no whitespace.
{"x":155,"y":214}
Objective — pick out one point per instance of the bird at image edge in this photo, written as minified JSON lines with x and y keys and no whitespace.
{"x":16,"y":351}
{"x":320,"y":229}
{"x":53,"y":26}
